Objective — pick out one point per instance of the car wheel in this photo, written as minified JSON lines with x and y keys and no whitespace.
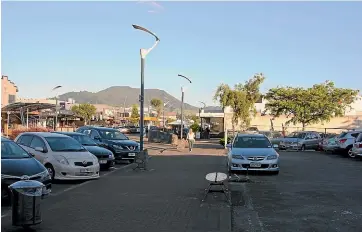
{"x":350,"y":153}
{"x":50,"y":170}
{"x":303,"y":148}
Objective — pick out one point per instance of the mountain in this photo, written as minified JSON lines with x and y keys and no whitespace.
{"x":125,"y":95}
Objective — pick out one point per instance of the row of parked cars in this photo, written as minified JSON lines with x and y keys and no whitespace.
{"x":48,"y":156}
{"x":348,"y":143}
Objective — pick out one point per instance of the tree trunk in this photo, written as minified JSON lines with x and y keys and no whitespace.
{"x":303,"y":126}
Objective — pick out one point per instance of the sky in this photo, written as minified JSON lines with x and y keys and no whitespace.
{"x":92,"y":45}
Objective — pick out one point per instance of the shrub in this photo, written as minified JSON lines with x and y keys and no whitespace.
{"x":195,"y":127}
{"x":222,"y":141}
{"x":18,"y":131}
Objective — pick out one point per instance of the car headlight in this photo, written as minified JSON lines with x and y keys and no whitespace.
{"x":111,"y":156}
{"x":61,"y":159}
{"x":272,"y":157}
{"x":237,"y":157}
{"x":44,"y":175}
{"x":117,"y":146}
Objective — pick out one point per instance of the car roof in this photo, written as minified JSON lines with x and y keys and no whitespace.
{"x":44,"y":134}
{"x":250,"y":135}
{"x":68,"y":133}
{"x":4,"y":139}
{"x":96,"y":127}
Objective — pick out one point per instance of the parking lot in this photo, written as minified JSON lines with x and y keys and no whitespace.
{"x":313,"y":192}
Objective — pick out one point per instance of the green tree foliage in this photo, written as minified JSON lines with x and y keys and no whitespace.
{"x":158,"y":105}
{"x":85,"y":111}
{"x":307,"y":106}
{"x":195,"y":127}
{"x":135,"y":116}
{"x":241,"y":99}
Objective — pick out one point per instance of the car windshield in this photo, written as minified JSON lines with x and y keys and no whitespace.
{"x":11,"y":150}
{"x":84,"y":140}
{"x":112,"y":135}
{"x":64,"y":144}
{"x":251,"y":142}
{"x":296,"y":135}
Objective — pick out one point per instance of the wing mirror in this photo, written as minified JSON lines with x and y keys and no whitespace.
{"x":97,"y":138}
{"x":228,"y":145}
{"x":40,"y":149}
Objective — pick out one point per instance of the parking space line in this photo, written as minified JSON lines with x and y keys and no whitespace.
{"x":87,"y":182}
{"x":249,"y":205}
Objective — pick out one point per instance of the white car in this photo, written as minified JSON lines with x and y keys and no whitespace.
{"x":64,"y":157}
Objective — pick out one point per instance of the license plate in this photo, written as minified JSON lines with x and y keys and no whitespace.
{"x":102,"y":161}
{"x":131,"y":154}
{"x":84,"y":170}
{"x":255,"y":165}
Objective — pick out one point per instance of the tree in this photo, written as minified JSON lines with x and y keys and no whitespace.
{"x":241,"y":99}
{"x":312,"y":105}
{"x":157,"y":104}
{"x":85,"y":111}
{"x":135,"y":116}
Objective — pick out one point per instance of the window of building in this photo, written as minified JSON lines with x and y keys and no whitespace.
{"x":11,"y":98}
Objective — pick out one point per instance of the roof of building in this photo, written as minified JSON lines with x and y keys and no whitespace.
{"x":17,"y":106}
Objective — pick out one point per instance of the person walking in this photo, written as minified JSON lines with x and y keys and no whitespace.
{"x":191,"y":139}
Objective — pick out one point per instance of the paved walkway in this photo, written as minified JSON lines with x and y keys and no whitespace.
{"x":164,"y":199}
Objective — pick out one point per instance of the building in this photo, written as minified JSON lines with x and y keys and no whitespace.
{"x":8,"y":91}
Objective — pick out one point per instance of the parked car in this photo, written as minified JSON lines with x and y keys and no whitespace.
{"x":328,"y":142}
{"x":252,"y":152}
{"x":105,"y":156}
{"x":345,"y":142}
{"x":123,"y":129}
{"x":357,"y":147}
{"x":64,"y":157}
{"x":302,"y":140}
{"x":17,"y":164}
{"x":121,"y":146}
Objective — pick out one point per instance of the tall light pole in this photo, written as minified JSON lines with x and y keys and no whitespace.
{"x":143,"y":53}
{"x":163,"y":114}
{"x":56,"y":107}
{"x":182,"y":104}
{"x":200,"y":112}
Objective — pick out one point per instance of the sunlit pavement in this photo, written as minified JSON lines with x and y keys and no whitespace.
{"x":313,"y":192}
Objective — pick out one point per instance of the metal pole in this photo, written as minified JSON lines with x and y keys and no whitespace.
{"x":163,"y":117}
{"x":56,"y":113}
{"x":142,"y":102}
{"x":27,"y":118}
{"x":182,"y":112}
{"x":8,"y":121}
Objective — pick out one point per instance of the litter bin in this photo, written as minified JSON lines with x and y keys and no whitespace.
{"x":25,"y":198}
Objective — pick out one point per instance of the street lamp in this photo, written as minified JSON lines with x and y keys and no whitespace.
{"x":200,"y":112}
{"x":56,"y":107}
{"x":163,"y":115}
{"x":143,"y":53}
{"x":182,"y":104}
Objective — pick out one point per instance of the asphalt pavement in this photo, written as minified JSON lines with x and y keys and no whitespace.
{"x":313,"y":192}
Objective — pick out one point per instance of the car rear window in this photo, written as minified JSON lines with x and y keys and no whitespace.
{"x":342,"y":135}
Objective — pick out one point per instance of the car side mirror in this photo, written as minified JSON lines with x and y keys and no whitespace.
{"x":40,"y":149}
{"x":228,"y":145}
{"x":97,"y":138}
{"x":127,"y":137}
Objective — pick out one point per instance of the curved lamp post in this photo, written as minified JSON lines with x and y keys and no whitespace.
{"x":144,"y":53}
{"x":200,"y":112}
{"x":56,"y":107}
{"x":182,"y":103}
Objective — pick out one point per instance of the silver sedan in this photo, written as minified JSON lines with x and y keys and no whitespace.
{"x":252,"y":152}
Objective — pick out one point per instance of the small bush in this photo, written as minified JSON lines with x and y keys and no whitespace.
{"x":195,"y":127}
{"x":16,"y":132}
{"x":222,"y":141}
